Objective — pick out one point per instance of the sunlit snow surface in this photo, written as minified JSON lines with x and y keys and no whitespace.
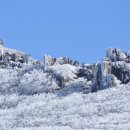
{"x":35,"y":97}
{"x":105,"y":110}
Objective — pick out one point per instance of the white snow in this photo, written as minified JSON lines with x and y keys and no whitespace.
{"x":10,"y":51}
{"x":67,"y":71}
{"x":52,"y":96}
{"x":28,"y":80}
{"x":105,"y":110}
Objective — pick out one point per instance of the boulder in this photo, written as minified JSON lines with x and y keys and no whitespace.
{"x":117,"y":55}
{"x":6,"y":57}
{"x":65,"y":60}
{"x":122,"y":71}
{"x":48,"y":60}
{"x":104,"y":77}
{"x":13,"y":57}
{"x":76,"y":63}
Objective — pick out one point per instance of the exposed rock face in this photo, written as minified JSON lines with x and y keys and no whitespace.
{"x":120,"y":67}
{"x":103,"y":78}
{"x":117,"y":55}
{"x":50,"y":61}
{"x":122,"y":71}
{"x":11,"y":57}
{"x":114,"y":69}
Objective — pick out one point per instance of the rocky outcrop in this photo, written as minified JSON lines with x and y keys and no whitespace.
{"x":113,"y":70}
{"x":12,"y":57}
{"x":117,"y":55}
{"x":122,"y":71}
{"x":50,"y":61}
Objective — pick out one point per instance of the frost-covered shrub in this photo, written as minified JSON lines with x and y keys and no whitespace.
{"x":27,"y":80}
{"x":9,"y":80}
{"x":32,"y":79}
{"x":36,"y":81}
{"x":79,"y":85}
{"x":76,"y":111}
{"x":63,"y":73}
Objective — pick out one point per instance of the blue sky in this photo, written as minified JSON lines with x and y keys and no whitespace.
{"x":79,"y":29}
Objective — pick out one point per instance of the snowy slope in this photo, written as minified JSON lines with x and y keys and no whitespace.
{"x":5,"y":49}
{"x":105,"y":110}
{"x":60,"y":94}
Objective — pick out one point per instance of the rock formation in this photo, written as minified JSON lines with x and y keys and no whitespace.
{"x":11,"y":57}
{"x":114,"y":69}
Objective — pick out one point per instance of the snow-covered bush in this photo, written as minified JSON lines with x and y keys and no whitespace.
{"x":63,"y":73}
{"x":37,"y":81}
{"x":96,"y":111}
{"x":29,"y":80}
{"x":9,"y":80}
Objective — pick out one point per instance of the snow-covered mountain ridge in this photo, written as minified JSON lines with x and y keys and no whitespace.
{"x":61,"y":94}
{"x":20,"y":73}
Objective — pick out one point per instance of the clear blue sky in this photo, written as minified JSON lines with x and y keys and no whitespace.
{"x":79,"y":29}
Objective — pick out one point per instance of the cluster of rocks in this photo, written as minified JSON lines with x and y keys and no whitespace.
{"x":50,"y":61}
{"x":120,"y":67}
{"x":117,"y":55}
{"x":85,"y":71}
{"x":113,"y":70}
{"x":11,"y":59}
